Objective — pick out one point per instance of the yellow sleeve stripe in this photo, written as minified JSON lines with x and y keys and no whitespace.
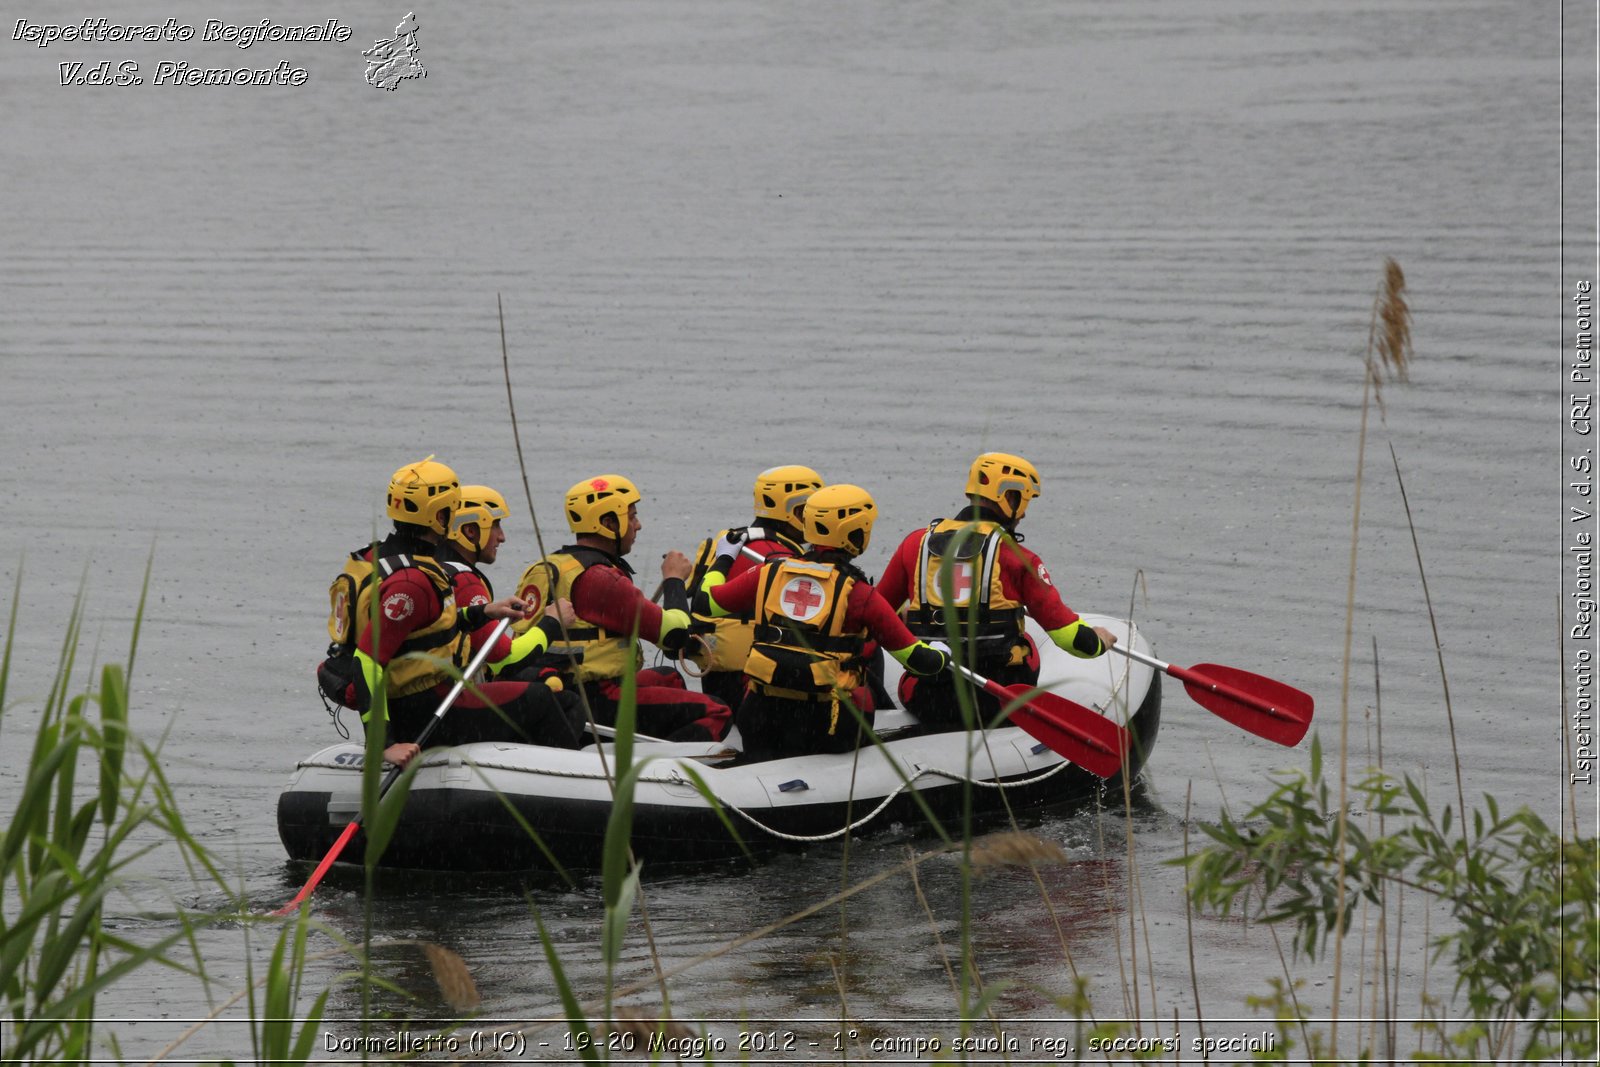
{"x":1078,"y":639}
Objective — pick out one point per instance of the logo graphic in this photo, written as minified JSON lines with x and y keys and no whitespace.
{"x":531,"y":595}
{"x":960,"y":584}
{"x":392,"y":61}
{"x":398,"y":606}
{"x":1044,"y":575}
{"x":801,"y":599}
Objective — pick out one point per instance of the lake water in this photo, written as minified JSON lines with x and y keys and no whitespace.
{"x":1135,"y":242}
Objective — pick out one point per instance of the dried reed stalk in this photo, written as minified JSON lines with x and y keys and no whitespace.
{"x":533,"y":514}
{"x":1390,"y":337}
{"x":588,"y":711}
{"x":1388,"y":351}
{"x":1188,"y":915}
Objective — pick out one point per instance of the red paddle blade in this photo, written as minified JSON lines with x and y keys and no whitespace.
{"x":1081,"y":734}
{"x":1266,"y":707}
{"x":322,"y":868}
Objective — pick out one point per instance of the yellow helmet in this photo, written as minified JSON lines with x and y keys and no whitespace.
{"x":841,"y":516}
{"x":419,"y":491}
{"x":994,"y":474}
{"x":481,"y":505}
{"x":594,"y":498}
{"x":782,"y":490}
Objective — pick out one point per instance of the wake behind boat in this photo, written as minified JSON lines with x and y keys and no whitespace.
{"x":471,"y":808}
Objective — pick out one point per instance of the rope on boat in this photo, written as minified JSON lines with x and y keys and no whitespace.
{"x":875,"y":812}
{"x":675,"y":778}
{"x":1118,"y":686}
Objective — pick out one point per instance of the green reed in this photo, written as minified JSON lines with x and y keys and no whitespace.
{"x":1525,"y":935}
{"x":68,"y":849}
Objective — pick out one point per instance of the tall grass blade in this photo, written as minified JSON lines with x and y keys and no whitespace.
{"x":278,"y":1001}
{"x":114,"y":738}
{"x":11,"y":636}
{"x":31,"y":817}
{"x":138,"y":616}
{"x":381,"y":826}
{"x":69,"y":651}
{"x":616,"y":856}
{"x":615,"y":929}
{"x":569,"y":1002}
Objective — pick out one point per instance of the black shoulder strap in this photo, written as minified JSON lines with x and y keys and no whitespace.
{"x":435,"y":574}
{"x":593,"y":557}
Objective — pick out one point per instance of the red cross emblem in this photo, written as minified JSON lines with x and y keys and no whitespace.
{"x":398,"y":606}
{"x":961,"y":582}
{"x":801,"y":598}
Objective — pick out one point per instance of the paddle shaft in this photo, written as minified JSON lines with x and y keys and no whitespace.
{"x":395,"y":772}
{"x":1208,"y":683}
{"x":611,"y":731}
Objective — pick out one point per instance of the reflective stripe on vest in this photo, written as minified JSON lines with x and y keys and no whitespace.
{"x":801,"y":648}
{"x":732,"y":635}
{"x":457,"y":567}
{"x":590,"y":652}
{"x":419,"y":663}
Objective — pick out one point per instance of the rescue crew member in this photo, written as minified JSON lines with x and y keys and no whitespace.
{"x":476,"y":535}
{"x":813,"y":614}
{"x":592,"y":656}
{"x":968,"y":580}
{"x":775,"y":532}
{"x":422,"y":634}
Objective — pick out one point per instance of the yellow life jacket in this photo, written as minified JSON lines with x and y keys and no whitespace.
{"x":801,"y":649}
{"x":417,"y":665}
{"x":732,"y":636}
{"x":343,"y":593}
{"x":456,"y":568}
{"x":966,"y":556}
{"x":586,"y":652}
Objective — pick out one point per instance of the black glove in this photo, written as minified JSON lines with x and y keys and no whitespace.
{"x":673,"y":639}
{"x":926,"y":659}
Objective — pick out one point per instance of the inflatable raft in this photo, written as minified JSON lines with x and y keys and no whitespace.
{"x":510,"y":807}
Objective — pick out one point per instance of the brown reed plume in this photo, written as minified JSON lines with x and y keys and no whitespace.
{"x":453,"y":978}
{"x":1014,"y":848}
{"x":1389,"y":334}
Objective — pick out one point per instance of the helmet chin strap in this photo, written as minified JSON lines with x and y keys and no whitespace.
{"x":616,"y":534}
